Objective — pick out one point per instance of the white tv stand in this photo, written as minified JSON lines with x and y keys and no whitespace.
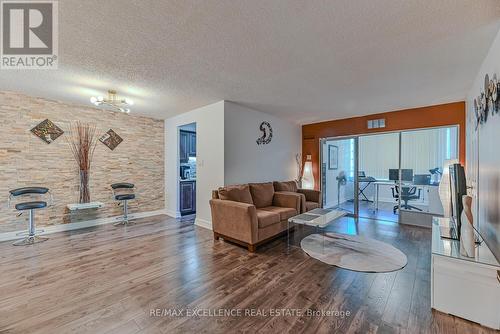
{"x":465,"y":287}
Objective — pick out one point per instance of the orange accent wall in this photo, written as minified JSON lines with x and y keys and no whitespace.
{"x":416,"y":118}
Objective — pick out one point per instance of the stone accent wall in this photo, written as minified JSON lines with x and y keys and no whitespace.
{"x":26,"y":160}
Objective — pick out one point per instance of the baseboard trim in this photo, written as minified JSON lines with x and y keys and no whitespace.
{"x":172,"y":213}
{"x":83,"y":224}
{"x":203,"y":223}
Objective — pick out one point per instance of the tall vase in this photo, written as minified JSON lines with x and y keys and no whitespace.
{"x":84,"y":186}
{"x":467,"y":238}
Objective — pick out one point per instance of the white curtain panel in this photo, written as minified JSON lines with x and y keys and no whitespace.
{"x":421,"y":150}
{"x":426,"y":149}
{"x":378,"y":154}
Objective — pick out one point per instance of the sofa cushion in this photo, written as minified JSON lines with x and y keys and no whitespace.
{"x":237,"y":193}
{"x":285,"y":186}
{"x":284,"y":213}
{"x":311,"y":205}
{"x":262,"y":194}
{"x":267,"y":218}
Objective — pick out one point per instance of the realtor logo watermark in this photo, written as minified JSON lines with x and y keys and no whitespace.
{"x":29,"y":36}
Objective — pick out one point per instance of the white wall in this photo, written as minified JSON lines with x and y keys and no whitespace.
{"x":483,"y":156}
{"x":209,"y":158}
{"x":244,"y":160}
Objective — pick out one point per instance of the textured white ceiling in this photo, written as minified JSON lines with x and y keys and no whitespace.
{"x":301,"y":60}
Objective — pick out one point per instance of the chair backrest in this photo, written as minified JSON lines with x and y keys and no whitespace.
{"x":28,"y":190}
{"x":407,"y":192}
{"x":122,"y":185}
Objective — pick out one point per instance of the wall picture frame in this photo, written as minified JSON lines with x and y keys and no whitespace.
{"x":47,"y":131}
{"x":333,"y":157}
{"x":111,"y":139}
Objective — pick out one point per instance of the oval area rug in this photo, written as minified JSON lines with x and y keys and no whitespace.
{"x":354,"y":252}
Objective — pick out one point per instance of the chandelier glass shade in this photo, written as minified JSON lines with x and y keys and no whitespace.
{"x":112,"y":101}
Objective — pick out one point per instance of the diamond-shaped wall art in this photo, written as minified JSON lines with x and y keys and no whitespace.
{"x":111,"y":139}
{"x":47,"y":131}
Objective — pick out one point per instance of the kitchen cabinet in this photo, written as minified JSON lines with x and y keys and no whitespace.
{"x":187,"y":145}
{"x":187,"y":197}
{"x":192,"y":144}
{"x":183,"y":147}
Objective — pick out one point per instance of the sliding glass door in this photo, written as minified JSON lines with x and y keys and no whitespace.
{"x":338,"y":177}
{"x":378,"y":159}
{"x":423,"y":154}
{"x":388,"y":176}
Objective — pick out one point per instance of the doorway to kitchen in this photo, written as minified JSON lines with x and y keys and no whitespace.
{"x":187,"y":169}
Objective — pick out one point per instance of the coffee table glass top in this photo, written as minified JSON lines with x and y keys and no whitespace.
{"x":318,"y":217}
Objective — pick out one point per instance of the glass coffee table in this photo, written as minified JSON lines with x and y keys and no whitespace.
{"x":318,"y":218}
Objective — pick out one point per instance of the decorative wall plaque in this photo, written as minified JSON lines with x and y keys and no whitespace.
{"x":111,"y":139}
{"x":47,"y":131}
{"x":267,"y":133}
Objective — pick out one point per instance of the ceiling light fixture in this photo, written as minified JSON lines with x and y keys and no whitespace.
{"x":112,"y":101}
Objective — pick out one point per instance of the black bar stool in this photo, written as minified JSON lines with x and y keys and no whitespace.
{"x":31,"y":206}
{"x":124,"y":198}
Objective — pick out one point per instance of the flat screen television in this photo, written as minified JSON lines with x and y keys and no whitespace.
{"x":458,"y":189}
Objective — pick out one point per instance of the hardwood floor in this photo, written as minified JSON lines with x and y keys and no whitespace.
{"x":109,"y":280}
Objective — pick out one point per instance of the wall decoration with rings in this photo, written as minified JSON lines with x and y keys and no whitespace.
{"x":487,"y":103}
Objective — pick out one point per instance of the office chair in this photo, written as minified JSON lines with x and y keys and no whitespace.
{"x":407,"y":194}
{"x":123,"y":198}
{"x":30,"y":206}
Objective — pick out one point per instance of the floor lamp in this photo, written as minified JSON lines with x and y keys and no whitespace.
{"x":307,"y":175}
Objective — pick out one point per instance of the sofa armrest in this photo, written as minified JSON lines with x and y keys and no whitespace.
{"x":311,"y":195}
{"x":235,"y":220}
{"x":287,"y":199}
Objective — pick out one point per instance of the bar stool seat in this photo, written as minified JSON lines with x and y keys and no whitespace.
{"x":31,"y":205}
{"x":124,"y":197}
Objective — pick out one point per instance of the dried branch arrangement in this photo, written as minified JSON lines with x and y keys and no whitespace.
{"x":82,"y":141}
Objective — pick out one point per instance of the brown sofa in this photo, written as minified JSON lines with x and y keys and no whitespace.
{"x":310,"y":199}
{"x":251,"y":214}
